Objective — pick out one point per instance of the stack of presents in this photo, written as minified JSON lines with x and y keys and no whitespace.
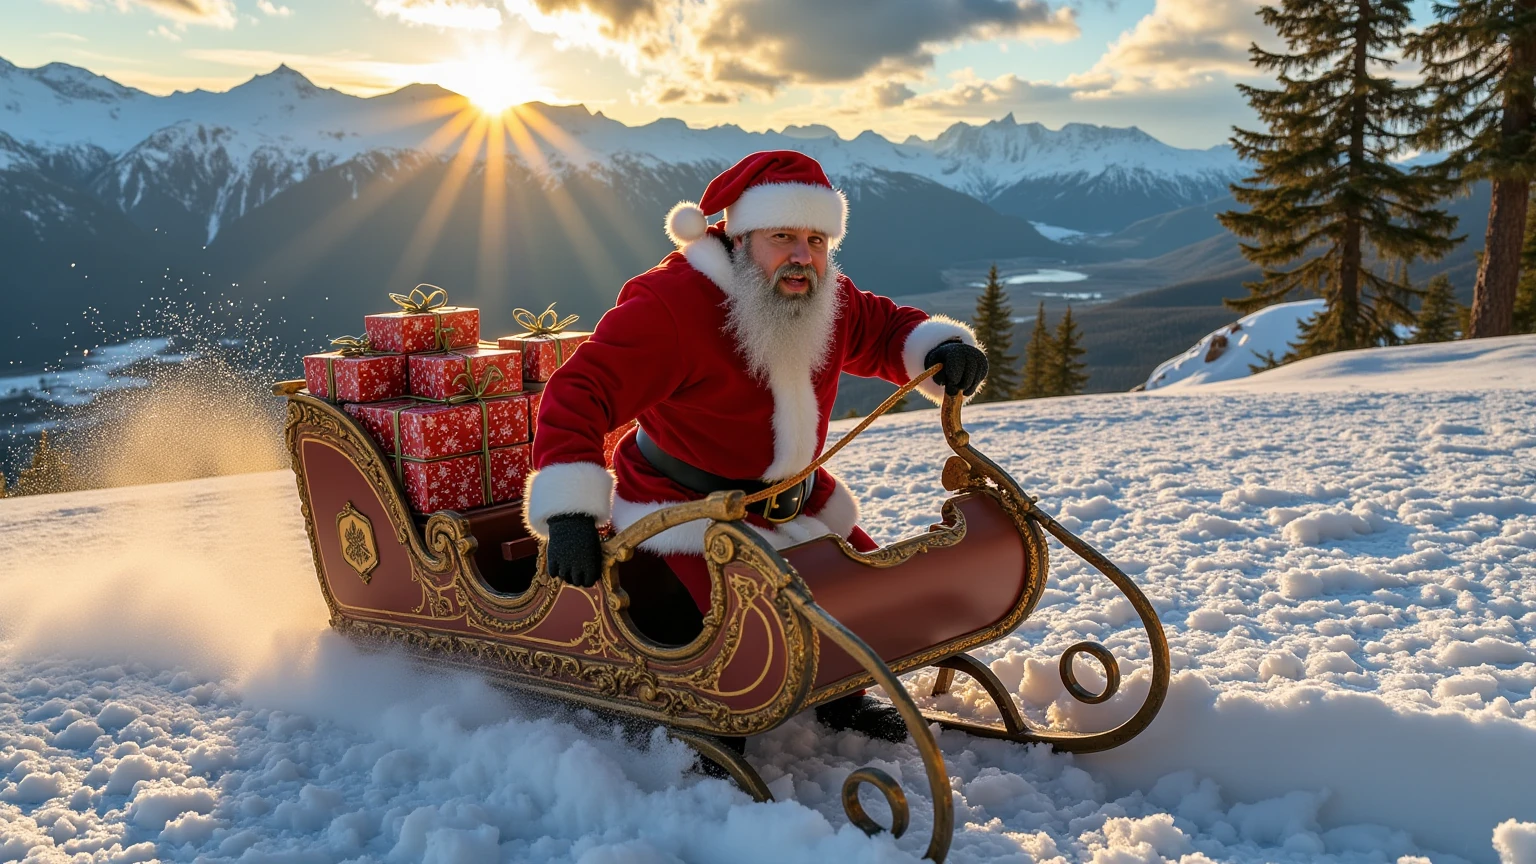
{"x":456,"y":415}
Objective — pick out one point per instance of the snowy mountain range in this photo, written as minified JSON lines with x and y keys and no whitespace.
{"x":219,"y":155}
{"x":112,"y":199}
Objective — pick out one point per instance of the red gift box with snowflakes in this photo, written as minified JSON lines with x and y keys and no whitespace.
{"x":546,"y":342}
{"x":424,"y":322}
{"x":612,"y":439}
{"x":476,"y":371}
{"x":421,"y":430}
{"x":340,"y":376}
{"x":466,"y":482}
{"x":453,"y":457}
{"x":542,"y":355}
{"x":534,"y":399}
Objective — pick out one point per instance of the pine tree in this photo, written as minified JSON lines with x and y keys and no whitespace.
{"x":1066,"y":376}
{"x":1325,"y":196}
{"x":1437,"y":316}
{"x":48,"y":473}
{"x":1524,"y":317}
{"x":1479,"y":62}
{"x":994,"y":330}
{"x":1037,"y":359}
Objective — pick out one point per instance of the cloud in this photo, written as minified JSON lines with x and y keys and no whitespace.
{"x":268,"y":9}
{"x":887,"y":95}
{"x":443,"y":14}
{"x":213,"y":13}
{"x":692,"y":52}
{"x":811,"y":41}
{"x":65,"y":37}
{"x":1180,"y":43}
{"x":165,"y":33}
{"x":971,"y":96}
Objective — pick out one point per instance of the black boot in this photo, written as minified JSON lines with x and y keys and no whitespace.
{"x":861,"y":713}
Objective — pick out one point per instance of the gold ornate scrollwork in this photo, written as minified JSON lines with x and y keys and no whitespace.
{"x":900,"y":552}
{"x":358,"y":548}
{"x":895,"y":798}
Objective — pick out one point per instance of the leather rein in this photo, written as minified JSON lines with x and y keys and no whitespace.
{"x":853,"y":433}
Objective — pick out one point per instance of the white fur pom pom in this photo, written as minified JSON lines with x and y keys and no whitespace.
{"x":686,"y":223}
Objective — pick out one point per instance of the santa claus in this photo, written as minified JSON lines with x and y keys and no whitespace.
{"x":728,"y":353}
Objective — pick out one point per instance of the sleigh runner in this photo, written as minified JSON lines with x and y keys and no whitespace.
{"x":786,"y":630}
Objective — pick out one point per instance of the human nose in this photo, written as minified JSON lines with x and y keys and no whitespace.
{"x":801,"y":254}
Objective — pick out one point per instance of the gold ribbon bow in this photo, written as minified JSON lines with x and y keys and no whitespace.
{"x":418,"y":301}
{"x":352,"y":346}
{"x":546,"y":323}
{"x":474,"y":389}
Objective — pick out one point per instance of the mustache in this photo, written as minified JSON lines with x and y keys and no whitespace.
{"x":806,"y":271}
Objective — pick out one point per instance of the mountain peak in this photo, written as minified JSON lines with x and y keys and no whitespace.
{"x":283,"y":78}
{"x":814,"y":130}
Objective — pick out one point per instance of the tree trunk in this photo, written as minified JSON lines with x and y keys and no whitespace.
{"x":1493,"y":300}
{"x":1346,"y":302}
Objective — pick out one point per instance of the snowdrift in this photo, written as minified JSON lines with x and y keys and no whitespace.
{"x":1233,"y":350}
{"x":1343,"y":551}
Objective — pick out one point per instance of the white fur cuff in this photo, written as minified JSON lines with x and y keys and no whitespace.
{"x":570,"y":487}
{"x":924,"y":338}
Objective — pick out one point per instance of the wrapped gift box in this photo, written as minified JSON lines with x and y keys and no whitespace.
{"x":543,"y":354}
{"x":461,"y":482}
{"x":546,"y":343}
{"x":534,"y":399}
{"x":408,"y":333}
{"x":425,"y":322}
{"x":430,"y":431}
{"x":612,"y":439}
{"x":466,"y":370}
{"x":342,"y":377}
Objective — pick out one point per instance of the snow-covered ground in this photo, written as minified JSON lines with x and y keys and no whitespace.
{"x":1347,"y":574}
{"x":1232,"y":351}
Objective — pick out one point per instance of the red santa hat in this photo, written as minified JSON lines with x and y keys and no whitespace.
{"x":771,"y":189}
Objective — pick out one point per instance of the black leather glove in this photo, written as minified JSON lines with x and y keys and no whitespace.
{"x":964,"y":367}
{"x":575,"y":551}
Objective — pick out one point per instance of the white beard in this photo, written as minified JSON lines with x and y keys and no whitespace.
{"x":780,"y":335}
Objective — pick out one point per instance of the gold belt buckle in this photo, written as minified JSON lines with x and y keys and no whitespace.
{"x":772,"y":505}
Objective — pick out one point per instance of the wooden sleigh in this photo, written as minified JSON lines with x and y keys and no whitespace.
{"x":787,"y":629}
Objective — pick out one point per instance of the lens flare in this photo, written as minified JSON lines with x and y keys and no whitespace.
{"x":493,"y":78}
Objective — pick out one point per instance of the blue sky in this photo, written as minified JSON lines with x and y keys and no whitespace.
{"x":900,"y":67}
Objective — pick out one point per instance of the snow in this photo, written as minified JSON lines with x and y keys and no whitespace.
{"x":169,"y":689}
{"x":1231,"y":351}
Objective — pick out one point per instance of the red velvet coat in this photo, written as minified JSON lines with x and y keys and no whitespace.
{"x":663,"y":355}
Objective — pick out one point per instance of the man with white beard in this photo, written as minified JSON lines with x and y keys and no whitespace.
{"x":728,"y":353}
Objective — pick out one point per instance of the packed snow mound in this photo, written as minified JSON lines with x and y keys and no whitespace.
{"x":1471,"y":364}
{"x":1346,"y":581}
{"x":1231,"y":351}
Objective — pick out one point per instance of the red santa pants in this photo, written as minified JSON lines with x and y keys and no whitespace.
{"x":694,"y":573}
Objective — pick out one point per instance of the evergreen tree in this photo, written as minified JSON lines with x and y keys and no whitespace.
{"x":1037,"y":359}
{"x":1437,"y":317}
{"x":48,"y":473}
{"x":1524,"y":317}
{"x":1325,"y":196}
{"x":994,"y":330}
{"x":1479,"y":62}
{"x":1066,"y":376}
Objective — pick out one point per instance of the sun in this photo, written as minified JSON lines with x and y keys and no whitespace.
{"x":493,"y":78}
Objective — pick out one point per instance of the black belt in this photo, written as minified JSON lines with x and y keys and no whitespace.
{"x":780,"y":508}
